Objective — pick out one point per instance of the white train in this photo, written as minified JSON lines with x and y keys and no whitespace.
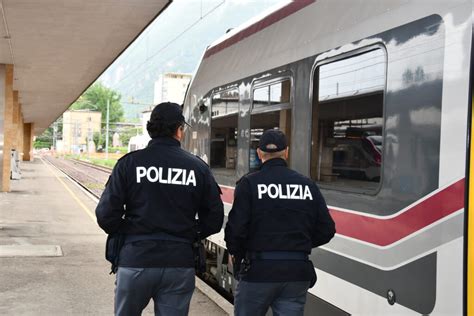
{"x":375,"y":97}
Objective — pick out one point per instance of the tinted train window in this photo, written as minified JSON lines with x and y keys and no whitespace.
{"x":347,"y":128}
{"x":270,"y":110}
{"x":224,"y":117}
{"x":271,"y":94}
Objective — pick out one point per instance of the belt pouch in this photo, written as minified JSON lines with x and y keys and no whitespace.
{"x":113,"y":246}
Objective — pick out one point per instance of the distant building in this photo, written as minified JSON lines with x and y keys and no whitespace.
{"x":79,"y":127}
{"x":140,"y":141}
{"x":171,"y":86}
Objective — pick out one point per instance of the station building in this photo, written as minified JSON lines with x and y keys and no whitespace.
{"x":79,"y":127}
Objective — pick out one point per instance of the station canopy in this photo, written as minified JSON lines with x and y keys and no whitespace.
{"x":59,"y":47}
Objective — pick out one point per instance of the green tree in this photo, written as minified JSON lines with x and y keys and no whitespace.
{"x":95,"y":98}
{"x":128,"y":133}
{"x":45,"y":140}
{"x":99,"y":140}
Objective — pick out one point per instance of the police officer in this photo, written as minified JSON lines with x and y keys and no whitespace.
{"x":277,"y":216}
{"x":152,"y":197}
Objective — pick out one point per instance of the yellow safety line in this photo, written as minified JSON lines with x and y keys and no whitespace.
{"x":74,"y":196}
{"x":470,"y":227}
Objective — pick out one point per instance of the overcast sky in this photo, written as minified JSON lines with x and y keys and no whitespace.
{"x":175,"y":41}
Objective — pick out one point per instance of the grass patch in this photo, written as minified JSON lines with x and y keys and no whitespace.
{"x":110,"y":163}
{"x":103,"y":162}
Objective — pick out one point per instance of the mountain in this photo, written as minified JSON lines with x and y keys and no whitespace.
{"x":174,"y":42}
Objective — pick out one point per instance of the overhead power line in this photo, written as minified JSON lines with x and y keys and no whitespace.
{"x":168,"y":44}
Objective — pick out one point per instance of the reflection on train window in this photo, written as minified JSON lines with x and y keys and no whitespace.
{"x":270,"y":110}
{"x":224,"y":115}
{"x":272,"y":94}
{"x":347,"y":122}
{"x":225,"y":103}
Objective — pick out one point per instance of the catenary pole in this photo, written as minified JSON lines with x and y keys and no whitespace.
{"x":107,"y":132}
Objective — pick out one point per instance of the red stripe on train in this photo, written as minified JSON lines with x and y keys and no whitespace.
{"x":227,"y":194}
{"x":272,"y":18}
{"x":383,"y":232}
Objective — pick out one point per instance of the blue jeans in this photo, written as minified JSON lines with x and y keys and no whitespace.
{"x":170,"y":288}
{"x":285,"y":298}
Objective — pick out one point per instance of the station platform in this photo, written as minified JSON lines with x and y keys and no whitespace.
{"x":52,"y":251}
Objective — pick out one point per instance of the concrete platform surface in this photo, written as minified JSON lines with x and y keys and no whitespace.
{"x":30,"y":251}
{"x":44,"y":215}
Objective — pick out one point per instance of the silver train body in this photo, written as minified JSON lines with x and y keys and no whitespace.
{"x":375,"y":99}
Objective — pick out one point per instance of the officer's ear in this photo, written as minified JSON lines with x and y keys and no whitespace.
{"x":260,"y":154}
{"x":287,"y":151}
{"x":179,"y":134}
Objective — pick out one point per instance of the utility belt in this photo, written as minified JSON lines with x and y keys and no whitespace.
{"x":115,"y":242}
{"x":242,"y":265}
{"x":199,"y":253}
{"x":155,"y":236}
{"x":277,"y":255}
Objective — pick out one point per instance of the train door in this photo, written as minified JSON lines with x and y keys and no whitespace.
{"x":271,"y":109}
{"x":223,"y":135}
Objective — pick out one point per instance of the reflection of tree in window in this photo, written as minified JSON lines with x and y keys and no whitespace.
{"x":348,"y":120}
{"x":224,"y":113}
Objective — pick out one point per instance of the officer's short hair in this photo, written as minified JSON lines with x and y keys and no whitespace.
{"x":271,"y":155}
{"x":162,"y":128}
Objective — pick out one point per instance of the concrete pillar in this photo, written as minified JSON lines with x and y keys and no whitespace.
{"x":28,"y":142}
{"x":16,"y":120}
{"x":6,"y":77}
{"x":21,"y":130}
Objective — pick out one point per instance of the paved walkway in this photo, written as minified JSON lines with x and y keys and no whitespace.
{"x":46,"y":210}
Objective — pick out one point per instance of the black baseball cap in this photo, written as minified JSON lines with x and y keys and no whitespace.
{"x":272,"y":140}
{"x":168,"y":112}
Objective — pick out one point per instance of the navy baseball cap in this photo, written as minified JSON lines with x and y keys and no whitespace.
{"x":272,"y":140}
{"x":168,"y":112}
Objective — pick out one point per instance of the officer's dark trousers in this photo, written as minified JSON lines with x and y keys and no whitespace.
{"x":170,"y":288}
{"x":285,"y":298}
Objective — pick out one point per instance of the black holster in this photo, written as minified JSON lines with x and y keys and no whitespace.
{"x":314,"y":277}
{"x":199,"y":251}
{"x":236,"y":266}
{"x":199,"y":257}
{"x":241,"y":265}
{"x":113,"y":246}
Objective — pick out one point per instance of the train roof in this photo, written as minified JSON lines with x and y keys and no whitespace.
{"x":296,"y":30}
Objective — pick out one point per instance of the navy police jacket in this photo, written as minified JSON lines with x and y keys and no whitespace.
{"x":160,"y":189}
{"x":277,"y":209}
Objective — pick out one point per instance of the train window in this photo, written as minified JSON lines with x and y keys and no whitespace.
{"x":260,"y":97}
{"x":224,"y":117}
{"x":270,"y":110}
{"x":225,"y":103}
{"x":272,"y":94}
{"x":347,"y":127}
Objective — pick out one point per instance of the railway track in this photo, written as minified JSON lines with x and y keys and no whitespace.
{"x":91,"y":165}
{"x":93,"y":179}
